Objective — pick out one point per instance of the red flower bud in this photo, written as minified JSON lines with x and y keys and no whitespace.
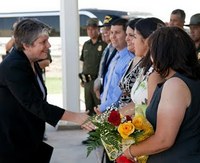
{"x":128,"y":118}
{"x":123,"y":159}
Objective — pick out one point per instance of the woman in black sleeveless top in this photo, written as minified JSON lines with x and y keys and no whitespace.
{"x":174,"y":110}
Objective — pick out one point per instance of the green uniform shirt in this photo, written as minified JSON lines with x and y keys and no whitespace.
{"x":91,"y":56}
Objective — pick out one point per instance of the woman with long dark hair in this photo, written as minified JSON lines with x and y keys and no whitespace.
{"x":174,"y":108}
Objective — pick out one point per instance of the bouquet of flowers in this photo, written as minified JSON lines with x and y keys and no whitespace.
{"x":116,"y":132}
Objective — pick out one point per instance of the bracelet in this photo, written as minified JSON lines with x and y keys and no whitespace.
{"x":130,"y":154}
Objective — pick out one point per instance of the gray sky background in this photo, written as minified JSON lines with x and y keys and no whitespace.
{"x":158,"y":8}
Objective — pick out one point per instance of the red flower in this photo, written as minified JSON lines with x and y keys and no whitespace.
{"x":123,"y":159}
{"x":114,"y":118}
{"x":128,"y":118}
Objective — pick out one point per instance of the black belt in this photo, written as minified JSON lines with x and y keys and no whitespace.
{"x":86,"y":77}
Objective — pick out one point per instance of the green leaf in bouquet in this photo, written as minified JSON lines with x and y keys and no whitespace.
{"x":94,"y":141}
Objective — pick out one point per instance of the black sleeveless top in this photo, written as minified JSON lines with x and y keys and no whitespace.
{"x":186,"y":148}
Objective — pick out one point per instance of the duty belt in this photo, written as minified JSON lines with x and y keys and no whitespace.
{"x":86,"y":77}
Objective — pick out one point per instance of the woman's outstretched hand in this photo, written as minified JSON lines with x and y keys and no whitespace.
{"x":80,"y":118}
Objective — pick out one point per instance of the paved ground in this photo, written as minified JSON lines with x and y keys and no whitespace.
{"x":68,"y":147}
{"x":67,"y":142}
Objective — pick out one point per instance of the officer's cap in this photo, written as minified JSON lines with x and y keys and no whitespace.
{"x":93,"y":22}
{"x":108,"y":20}
{"x":194,"y":20}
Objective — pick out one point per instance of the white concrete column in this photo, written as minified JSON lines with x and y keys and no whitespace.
{"x":69,"y":28}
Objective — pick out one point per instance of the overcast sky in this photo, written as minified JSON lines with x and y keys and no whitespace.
{"x":158,"y":8}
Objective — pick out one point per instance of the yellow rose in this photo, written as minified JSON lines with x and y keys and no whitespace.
{"x":138,"y":121}
{"x":125,"y":129}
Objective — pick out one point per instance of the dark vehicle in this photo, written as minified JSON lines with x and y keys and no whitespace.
{"x":52,"y":18}
{"x":86,"y":13}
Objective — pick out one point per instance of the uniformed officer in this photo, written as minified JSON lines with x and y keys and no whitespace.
{"x":195,"y":32}
{"x":91,"y":56}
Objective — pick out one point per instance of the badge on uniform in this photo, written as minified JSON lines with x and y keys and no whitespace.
{"x":99,"y":48}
